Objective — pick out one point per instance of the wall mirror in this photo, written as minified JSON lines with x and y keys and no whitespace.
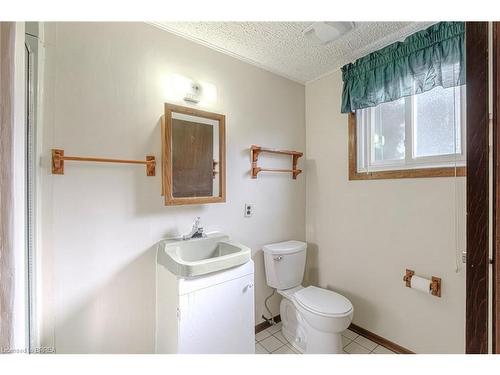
{"x":193,"y":156}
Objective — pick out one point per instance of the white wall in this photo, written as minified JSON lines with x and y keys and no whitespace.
{"x":13,"y":307}
{"x":20,"y":339}
{"x":363,"y":235}
{"x":105,"y":89}
{"x":104,"y":94}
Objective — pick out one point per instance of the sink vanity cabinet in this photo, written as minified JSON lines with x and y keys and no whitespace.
{"x":204,"y":296}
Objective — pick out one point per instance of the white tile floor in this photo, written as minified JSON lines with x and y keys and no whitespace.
{"x":272,"y":341}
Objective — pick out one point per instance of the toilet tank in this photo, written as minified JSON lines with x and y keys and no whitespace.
{"x":285,"y":264}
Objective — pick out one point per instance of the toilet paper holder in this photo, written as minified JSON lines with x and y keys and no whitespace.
{"x":434,"y":283}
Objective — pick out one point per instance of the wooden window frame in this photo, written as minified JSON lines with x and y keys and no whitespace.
{"x":354,"y":175}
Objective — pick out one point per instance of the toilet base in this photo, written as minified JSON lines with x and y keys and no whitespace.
{"x":302,"y":336}
{"x":323,"y":342}
{"x":291,"y":329}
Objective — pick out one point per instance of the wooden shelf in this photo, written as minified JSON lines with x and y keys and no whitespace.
{"x":254,"y":155}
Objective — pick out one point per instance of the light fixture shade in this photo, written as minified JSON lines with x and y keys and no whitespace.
{"x":178,"y":88}
{"x":194,"y":93}
{"x":327,"y":32}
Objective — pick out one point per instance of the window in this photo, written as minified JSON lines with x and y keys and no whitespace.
{"x":417,"y":136}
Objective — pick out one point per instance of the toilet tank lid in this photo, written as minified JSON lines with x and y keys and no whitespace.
{"x":286,"y":247}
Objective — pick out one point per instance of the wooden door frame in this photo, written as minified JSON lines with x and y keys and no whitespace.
{"x":476,"y":322}
{"x":496,"y":190}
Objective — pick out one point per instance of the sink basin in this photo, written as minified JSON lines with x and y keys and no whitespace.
{"x":199,"y":256}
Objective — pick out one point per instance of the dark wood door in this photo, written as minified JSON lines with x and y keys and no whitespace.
{"x":192,"y":159}
{"x":476,"y":330}
{"x":496,"y":188}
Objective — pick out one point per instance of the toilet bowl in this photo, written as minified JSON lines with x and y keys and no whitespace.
{"x":312,"y":318}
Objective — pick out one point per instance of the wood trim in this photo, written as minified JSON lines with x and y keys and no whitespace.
{"x":163,"y":157}
{"x":355,"y":328}
{"x":167,"y":185}
{"x":476,"y":314}
{"x":264,"y":325}
{"x":222,"y":158}
{"x":379,"y":340}
{"x":496,"y":189}
{"x":354,"y":175}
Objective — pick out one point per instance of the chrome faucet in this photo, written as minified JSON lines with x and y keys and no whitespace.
{"x":196,"y":231}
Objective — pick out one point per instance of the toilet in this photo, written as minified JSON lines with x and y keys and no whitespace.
{"x":313,"y":318}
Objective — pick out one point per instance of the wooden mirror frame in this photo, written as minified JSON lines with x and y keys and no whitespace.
{"x":166,"y":137}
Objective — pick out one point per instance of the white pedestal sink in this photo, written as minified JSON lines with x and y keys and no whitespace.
{"x":204,"y":296}
{"x":199,"y":256}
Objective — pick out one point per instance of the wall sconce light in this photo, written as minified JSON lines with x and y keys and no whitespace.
{"x":179,"y":88}
{"x":194,"y":93}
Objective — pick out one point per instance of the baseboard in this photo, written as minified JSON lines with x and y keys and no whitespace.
{"x":380,"y":340}
{"x":353,"y":327}
{"x":262,"y":326}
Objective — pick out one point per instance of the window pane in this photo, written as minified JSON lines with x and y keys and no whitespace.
{"x":388,"y":132}
{"x":435,"y":117}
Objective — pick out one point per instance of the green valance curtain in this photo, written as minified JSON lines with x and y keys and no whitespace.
{"x":427,"y":59}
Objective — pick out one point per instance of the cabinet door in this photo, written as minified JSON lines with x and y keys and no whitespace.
{"x":218,"y":319}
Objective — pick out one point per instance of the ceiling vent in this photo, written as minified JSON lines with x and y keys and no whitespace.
{"x":327,"y":32}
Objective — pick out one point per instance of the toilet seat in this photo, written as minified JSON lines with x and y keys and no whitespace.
{"x":323,"y":302}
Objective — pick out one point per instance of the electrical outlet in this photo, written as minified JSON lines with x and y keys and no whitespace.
{"x":249,"y":209}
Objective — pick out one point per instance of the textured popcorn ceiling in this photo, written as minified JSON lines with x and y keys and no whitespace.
{"x":281,"y":48}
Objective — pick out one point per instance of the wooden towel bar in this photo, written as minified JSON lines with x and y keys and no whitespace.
{"x":58,"y":160}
